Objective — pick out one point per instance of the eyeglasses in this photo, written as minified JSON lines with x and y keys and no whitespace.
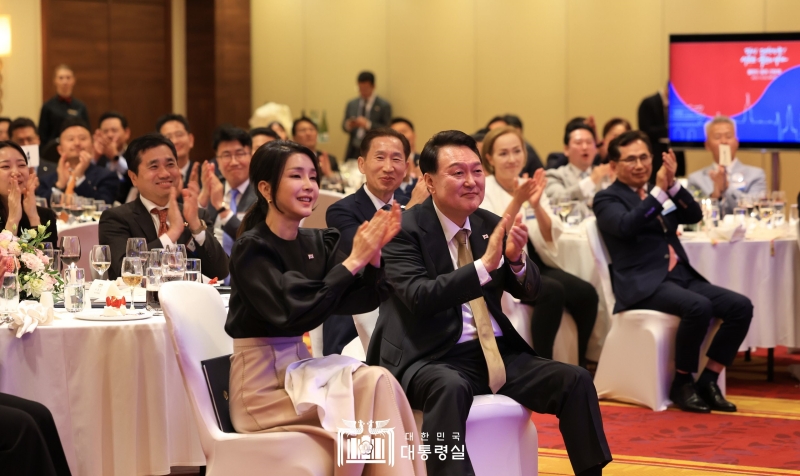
{"x":238,"y":155}
{"x":645,"y":159}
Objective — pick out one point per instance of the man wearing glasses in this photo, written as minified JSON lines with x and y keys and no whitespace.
{"x":650,"y":269}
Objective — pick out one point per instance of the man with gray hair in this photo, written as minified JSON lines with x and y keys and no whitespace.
{"x":726,"y":181}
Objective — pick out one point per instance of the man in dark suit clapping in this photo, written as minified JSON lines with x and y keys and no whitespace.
{"x":443,"y":333}
{"x":650,"y":269}
{"x":368,"y":111}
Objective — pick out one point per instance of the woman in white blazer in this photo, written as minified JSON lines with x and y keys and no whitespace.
{"x":503,"y":157}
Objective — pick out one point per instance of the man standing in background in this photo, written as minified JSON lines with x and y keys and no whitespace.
{"x":653,"y":121}
{"x":60,"y":106}
{"x":368,"y":111}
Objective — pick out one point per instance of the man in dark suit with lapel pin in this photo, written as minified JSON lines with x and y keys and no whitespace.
{"x":156,"y":214}
{"x":443,"y":333}
{"x":77,"y":164}
{"x":383,"y":161}
{"x":175,"y":127}
{"x":650,"y":269}
{"x":406,"y":188}
{"x":368,"y":111}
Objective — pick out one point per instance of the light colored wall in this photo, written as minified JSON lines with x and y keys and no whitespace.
{"x":455,"y":63}
{"x":22,"y":70}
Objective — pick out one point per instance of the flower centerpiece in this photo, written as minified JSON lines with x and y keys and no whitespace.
{"x":34,"y":273}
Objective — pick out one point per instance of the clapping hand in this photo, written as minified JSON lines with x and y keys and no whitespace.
{"x":494,"y":250}
{"x":174,"y":216}
{"x":14,"y":204}
{"x":28,"y":190}
{"x":371,"y":236}
{"x":517,"y":239}
{"x":523,"y":188}
{"x":665,"y":177}
{"x":539,"y":183}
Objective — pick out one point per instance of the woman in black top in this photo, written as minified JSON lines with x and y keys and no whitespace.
{"x":286,"y":281}
{"x":18,"y":210}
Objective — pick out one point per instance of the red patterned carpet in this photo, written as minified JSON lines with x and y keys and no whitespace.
{"x":762,"y":438}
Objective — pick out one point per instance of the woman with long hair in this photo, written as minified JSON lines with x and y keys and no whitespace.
{"x":17,"y":199}
{"x":287,"y":280}
{"x":503,"y":157}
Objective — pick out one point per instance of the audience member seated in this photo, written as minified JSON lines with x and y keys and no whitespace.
{"x":503,"y":158}
{"x":262,"y":135}
{"x":279,"y":129}
{"x":727,"y":184}
{"x":77,"y":165}
{"x":559,"y":159}
{"x":227,"y":202}
{"x":29,"y":441}
{"x":652,"y":116}
{"x":533,"y":162}
{"x":110,"y":141}
{"x":611,"y":130}
{"x":305,"y":133}
{"x":176,"y":128}
{"x":156,"y":214}
{"x":61,"y":106}
{"x":650,"y":269}
{"x":302,"y":280}
{"x":383,"y":161}
{"x":367,"y":111}
{"x":5,"y":124}
{"x":406,"y":127}
{"x":443,"y":334}
{"x":479,"y":135}
{"x":22,"y":131}
{"x":578,"y":180}
{"x":17,"y":194}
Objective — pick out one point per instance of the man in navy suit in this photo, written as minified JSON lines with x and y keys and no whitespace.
{"x":368,"y":111}
{"x":76,"y":163}
{"x":650,"y":269}
{"x":383,"y":161}
{"x":406,"y":188}
{"x":443,"y":333}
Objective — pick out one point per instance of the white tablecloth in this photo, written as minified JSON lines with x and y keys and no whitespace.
{"x":766,"y":271}
{"x":114,"y":389}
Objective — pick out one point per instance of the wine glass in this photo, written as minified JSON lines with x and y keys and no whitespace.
{"x":135,"y":246}
{"x":101,"y":259}
{"x":173,"y":266}
{"x":74,"y":206}
{"x":154,"y":258}
{"x":132,"y":273}
{"x":178,"y":248}
{"x":57,"y":203}
{"x":9,"y":296}
{"x":565,"y":208}
{"x":70,"y":249}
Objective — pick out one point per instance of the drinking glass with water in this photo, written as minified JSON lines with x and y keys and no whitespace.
{"x":152,"y":285}
{"x":193,"y":271}
{"x":74,"y":292}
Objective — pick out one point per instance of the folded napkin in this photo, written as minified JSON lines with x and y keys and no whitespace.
{"x":727,"y":232}
{"x":29,"y":316}
{"x":326,"y":383}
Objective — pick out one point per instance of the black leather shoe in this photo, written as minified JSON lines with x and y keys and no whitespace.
{"x":686,"y":398}
{"x":711,"y":394}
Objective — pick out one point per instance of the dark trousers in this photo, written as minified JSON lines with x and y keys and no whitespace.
{"x":561,"y":290}
{"x":337,"y":332}
{"x":696,"y":302}
{"x":444,"y":390}
{"x":29,"y":442}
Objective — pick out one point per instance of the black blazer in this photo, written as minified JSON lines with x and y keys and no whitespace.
{"x":348,"y":214}
{"x":637,"y":235}
{"x":422,"y":319}
{"x":134,"y":220}
{"x":99,"y":183}
{"x":47,"y":217}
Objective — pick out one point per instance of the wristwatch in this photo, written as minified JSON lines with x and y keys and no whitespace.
{"x":221,"y":209}
{"x":203,"y":227}
{"x":520,"y":261}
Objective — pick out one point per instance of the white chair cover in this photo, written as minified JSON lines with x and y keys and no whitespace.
{"x":317,"y":217}
{"x":196,"y":317}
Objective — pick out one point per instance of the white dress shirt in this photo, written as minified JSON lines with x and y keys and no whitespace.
{"x":199,"y":238}
{"x":227,"y":202}
{"x":377,"y":201}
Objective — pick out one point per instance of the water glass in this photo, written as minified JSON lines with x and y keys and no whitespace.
{"x":135,"y":246}
{"x":793,"y":216}
{"x":173,"y":266}
{"x":740,"y":216}
{"x":179,"y":248}
{"x":779,"y":213}
{"x":154,"y":258}
{"x":9,"y":295}
{"x":55,"y":263}
{"x":153,"y":279}
{"x":74,"y":292}
{"x":193,"y":271}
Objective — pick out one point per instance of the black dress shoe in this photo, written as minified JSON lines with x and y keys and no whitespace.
{"x":711,"y":394}
{"x":686,"y":398}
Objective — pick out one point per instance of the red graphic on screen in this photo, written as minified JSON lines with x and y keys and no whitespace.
{"x":728,"y":78}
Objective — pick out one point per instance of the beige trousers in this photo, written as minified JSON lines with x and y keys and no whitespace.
{"x":259,"y":402}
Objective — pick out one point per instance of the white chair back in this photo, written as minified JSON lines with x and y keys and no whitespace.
{"x":196,"y":318}
{"x":602,"y":260}
{"x":317,"y":217}
{"x":87,"y":234}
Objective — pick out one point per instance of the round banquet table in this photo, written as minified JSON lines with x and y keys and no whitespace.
{"x":114,"y":389}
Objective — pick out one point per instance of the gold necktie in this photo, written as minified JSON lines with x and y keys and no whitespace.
{"x":483,"y":323}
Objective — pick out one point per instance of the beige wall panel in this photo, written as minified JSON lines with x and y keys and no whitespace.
{"x":342,"y":38}
{"x":22,"y":70}
{"x":520,"y":66}
{"x":612,"y":61}
{"x":432,"y":64}
{"x":277,"y":50}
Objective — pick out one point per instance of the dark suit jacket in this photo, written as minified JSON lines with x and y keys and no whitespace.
{"x":380,"y":116}
{"x":404,"y":196}
{"x":231,"y":227}
{"x":348,"y":214}
{"x":637,"y":237}
{"x":422,"y":319}
{"x":653,"y":122}
{"x":99,"y":183}
{"x":53,"y":113}
{"x":534,"y":162}
{"x":134,"y":220}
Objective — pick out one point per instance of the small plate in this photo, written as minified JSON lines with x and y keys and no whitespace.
{"x":97,"y":315}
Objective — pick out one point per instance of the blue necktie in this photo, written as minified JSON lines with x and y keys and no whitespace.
{"x":227,"y":240}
